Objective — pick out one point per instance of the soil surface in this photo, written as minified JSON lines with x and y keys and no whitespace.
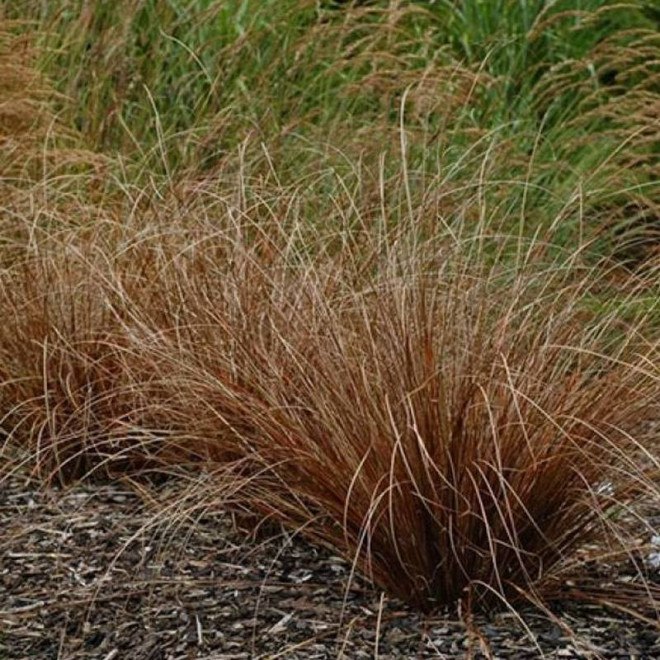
{"x":97,"y":572}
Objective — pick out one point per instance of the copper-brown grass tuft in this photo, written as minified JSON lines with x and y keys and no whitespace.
{"x":458,"y":430}
{"x":455,"y":432}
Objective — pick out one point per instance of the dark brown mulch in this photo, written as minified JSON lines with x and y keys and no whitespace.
{"x":94,"y":572}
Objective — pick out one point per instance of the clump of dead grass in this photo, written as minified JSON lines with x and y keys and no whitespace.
{"x":457,"y":423}
{"x":447,"y":440}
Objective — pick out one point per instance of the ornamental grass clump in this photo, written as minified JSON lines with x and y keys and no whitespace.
{"x":458,"y":433}
{"x":376,"y":336}
{"x":457,"y":424}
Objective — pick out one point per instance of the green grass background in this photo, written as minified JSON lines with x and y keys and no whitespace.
{"x":559,"y":99}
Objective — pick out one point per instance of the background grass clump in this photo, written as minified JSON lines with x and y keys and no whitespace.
{"x":389,"y":271}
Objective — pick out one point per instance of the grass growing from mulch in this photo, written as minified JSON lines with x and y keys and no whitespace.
{"x":102,"y":572}
{"x":388,"y":272}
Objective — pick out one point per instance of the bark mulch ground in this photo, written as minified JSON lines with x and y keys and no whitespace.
{"x":94,"y":572}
